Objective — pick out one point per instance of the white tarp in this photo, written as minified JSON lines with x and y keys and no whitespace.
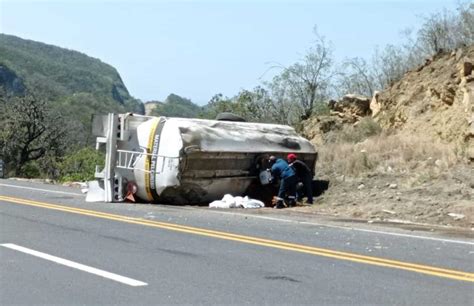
{"x":229,"y":201}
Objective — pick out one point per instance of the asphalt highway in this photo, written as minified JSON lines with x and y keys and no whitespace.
{"x":57,"y":249}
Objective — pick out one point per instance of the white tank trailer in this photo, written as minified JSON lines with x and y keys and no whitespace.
{"x":186,"y":161}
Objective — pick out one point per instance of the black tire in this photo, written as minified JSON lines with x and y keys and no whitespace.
{"x":229,"y":117}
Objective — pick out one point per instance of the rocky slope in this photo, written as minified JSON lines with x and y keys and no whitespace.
{"x":436,"y":100}
{"x":407,"y":153}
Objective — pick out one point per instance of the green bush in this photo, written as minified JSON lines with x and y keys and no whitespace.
{"x":321,"y":109}
{"x":368,"y":127}
{"x":31,"y":170}
{"x":365,"y":128}
{"x":80,"y":165}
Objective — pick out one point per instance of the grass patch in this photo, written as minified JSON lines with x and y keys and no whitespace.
{"x":386,"y":154}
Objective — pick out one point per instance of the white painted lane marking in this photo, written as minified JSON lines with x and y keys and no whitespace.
{"x":347,"y":228}
{"x":75,"y":265}
{"x":46,"y":190}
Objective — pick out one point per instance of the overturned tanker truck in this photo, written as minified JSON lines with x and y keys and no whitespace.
{"x":186,"y":161}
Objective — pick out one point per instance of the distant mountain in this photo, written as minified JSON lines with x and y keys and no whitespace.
{"x":67,"y":78}
{"x":173,"y":106}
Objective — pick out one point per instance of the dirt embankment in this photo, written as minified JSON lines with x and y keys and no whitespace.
{"x":407,"y":153}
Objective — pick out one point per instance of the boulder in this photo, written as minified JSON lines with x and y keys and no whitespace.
{"x":375,"y":105}
{"x":466,"y":69}
{"x":352,"y":105}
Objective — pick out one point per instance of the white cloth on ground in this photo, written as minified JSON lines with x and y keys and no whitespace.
{"x":229,"y":201}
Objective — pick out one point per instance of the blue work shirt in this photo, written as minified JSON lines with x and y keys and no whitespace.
{"x":281,"y":169}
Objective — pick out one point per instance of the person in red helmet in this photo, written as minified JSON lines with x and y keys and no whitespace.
{"x":303,"y":173}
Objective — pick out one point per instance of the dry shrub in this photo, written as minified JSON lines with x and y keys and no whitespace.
{"x":387,"y":154}
{"x":366,"y":127}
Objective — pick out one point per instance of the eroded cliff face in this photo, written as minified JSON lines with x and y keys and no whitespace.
{"x":435,"y":101}
{"x":345,"y":112}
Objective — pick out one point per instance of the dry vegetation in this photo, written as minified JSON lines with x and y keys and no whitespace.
{"x":402,"y":178}
{"x":408,"y":154}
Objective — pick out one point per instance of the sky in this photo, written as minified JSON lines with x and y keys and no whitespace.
{"x":197,"y":49}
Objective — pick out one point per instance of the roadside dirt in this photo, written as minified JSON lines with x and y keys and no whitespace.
{"x":447,"y":200}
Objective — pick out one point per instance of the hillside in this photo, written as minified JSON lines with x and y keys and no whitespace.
{"x":61,"y":76}
{"x":173,"y":106}
{"x":406,"y":154}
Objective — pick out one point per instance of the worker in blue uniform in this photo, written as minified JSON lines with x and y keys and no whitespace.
{"x":288,"y":180}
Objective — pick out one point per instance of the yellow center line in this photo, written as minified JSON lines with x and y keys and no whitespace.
{"x":377,"y":261}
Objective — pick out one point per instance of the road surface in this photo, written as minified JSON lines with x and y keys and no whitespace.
{"x":57,"y":249}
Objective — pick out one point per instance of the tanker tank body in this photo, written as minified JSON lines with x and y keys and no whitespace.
{"x":185,"y":161}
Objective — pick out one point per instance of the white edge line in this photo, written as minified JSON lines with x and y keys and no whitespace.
{"x":46,"y":190}
{"x":347,"y":228}
{"x":72,"y":264}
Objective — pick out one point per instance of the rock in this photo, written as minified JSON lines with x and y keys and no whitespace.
{"x":434,"y":93}
{"x":375,"y":105}
{"x":361,"y":186}
{"x":393,"y":186}
{"x":459,"y":53}
{"x":351,"y":106}
{"x":447,"y":97}
{"x":150,"y":106}
{"x":398,"y":199}
{"x":466,"y":69}
{"x":391,"y":212}
{"x":327,"y":125}
{"x":75,"y":184}
{"x":456,"y":216}
{"x":470,"y":153}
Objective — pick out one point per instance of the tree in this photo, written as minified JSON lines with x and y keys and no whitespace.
{"x":217,"y":104}
{"x":447,"y":30}
{"x":356,"y":77}
{"x":307,"y":82}
{"x":29,"y":131}
{"x":436,"y":33}
{"x":389,"y":65}
{"x":256,"y":105}
{"x":466,"y":23}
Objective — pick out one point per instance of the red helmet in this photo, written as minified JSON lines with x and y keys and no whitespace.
{"x":291,"y":156}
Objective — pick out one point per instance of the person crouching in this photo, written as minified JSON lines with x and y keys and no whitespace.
{"x":303,"y":174}
{"x":288,"y":180}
